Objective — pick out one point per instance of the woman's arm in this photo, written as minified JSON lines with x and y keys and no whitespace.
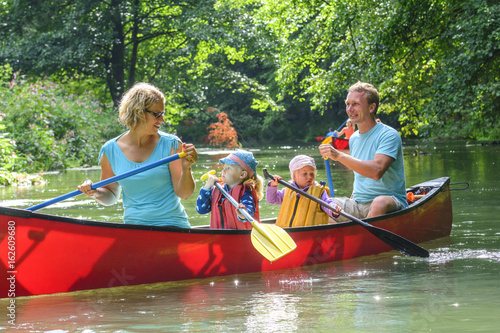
{"x":342,"y":132}
{"x":106,"y":195}
{"x":180,"y":170}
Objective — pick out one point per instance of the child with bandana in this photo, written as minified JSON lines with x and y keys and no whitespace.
{"x":240,"y":180}
{"x":296,"y":211}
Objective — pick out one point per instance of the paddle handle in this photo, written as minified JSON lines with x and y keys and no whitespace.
{"x":234,"y":202}
{"x":109,"y":181}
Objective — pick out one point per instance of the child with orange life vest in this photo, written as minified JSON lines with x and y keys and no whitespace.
{"x":296,"y":211}
{"x":240,"y":180}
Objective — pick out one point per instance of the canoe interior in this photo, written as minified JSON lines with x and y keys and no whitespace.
{"x":56,"y":254}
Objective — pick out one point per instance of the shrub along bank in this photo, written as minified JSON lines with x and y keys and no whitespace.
{"x":46,"y":125}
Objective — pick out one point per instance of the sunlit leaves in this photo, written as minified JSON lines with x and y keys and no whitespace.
{"x":431,"y":59}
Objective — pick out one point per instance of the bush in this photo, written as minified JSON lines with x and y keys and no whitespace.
{"x":50,"y":126}
{"x":8,"y":155}
{"x":222,"y":133}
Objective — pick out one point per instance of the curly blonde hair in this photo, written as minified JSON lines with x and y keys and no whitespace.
{"x":133,"y":103}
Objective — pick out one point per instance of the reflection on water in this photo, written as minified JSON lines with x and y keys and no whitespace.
{"x":456,"y":289}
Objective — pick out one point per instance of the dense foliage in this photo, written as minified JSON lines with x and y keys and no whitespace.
{"x":279,"y":69}
{"x":46,"y":127}
{"x":435,"y":62}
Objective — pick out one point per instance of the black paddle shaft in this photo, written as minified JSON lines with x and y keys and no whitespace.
{"x":397,"y":242}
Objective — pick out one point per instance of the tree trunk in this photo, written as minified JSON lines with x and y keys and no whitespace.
{"x":135,"y":44}
{"x":115,"y":76}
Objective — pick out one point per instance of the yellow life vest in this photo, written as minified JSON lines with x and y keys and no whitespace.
{"x":299,"y":211}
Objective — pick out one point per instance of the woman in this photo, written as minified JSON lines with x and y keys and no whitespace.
{"x":153,"y":196}
{"x":347,"y":131}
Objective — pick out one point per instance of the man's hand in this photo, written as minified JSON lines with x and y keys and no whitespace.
{"x":327,"y":151}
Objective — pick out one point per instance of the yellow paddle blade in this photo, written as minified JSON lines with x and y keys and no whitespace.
{"x":205,"y":176}
{"x":327,"y":140}
{"x":271,"y":241}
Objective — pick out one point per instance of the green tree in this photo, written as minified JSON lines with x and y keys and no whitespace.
{"x":435,"y":62}
{"x":172,"y":43}
{"x":111,"y":40}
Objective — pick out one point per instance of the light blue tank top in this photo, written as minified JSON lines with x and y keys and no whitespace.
{"x":148,"y":197}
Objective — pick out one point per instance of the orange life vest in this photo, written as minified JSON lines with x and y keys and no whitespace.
{"x":298,"y":211}
{"x":223,"y":215}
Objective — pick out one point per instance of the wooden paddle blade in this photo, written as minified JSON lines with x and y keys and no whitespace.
{"x":271,"y":241}
{"x":398,"y":243}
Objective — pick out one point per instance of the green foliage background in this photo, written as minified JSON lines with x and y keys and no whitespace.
{"x":279,"y":69}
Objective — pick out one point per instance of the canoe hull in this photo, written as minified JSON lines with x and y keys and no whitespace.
{"x":55,"y":254}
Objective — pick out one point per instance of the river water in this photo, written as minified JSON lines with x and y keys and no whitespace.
{"x":457,"y":289}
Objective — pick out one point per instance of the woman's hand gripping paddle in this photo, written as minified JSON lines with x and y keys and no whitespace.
{"x":397,"y":242}
{"x":270,"y":240}
{"x":109,"y":180}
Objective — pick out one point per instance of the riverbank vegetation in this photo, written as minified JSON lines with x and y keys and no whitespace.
{"x":277,"y":70}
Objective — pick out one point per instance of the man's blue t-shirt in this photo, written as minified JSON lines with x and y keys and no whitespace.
{"x":381,"y":139}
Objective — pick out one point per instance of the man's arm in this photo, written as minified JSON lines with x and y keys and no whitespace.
{"x":373,"y":169}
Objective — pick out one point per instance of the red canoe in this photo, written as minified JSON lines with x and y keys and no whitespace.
{"x":340,"y":143}
{"x":45,"y":254}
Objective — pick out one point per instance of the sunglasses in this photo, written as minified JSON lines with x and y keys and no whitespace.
{"x":156,"y":114}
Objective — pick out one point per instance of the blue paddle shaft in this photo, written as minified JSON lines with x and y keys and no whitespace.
{"x":108,"y":181}
{"x":329,"y":177}
{"x":327,"y":167}
{"x":338,"y":129}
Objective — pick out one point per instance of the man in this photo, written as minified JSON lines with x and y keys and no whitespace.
{"x":376,"y":158}
{"x":331,"y":132}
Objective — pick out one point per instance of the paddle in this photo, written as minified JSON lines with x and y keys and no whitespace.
{"x":270,"y":240}
{"x":397,"y":242}
{"x":340,"y":127}
{"x":327,"y":168}
{"x":109,"y":180}
{"x":328,"y":140}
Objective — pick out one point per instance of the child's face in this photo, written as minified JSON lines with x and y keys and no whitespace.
{"x":304,"y":177}
{"x":232,"y":175}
